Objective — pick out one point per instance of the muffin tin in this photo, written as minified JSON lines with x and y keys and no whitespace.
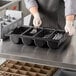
{"x":17,"y":68}
{"x":8,"y":23}
{"x":41,"y":37}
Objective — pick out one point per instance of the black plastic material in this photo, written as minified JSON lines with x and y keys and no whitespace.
{"x":41,"y":37}
{"x":56,"y":39}
{"x":28,"y":36}
{"x":64,"y":72}
{"x":15,"y":35}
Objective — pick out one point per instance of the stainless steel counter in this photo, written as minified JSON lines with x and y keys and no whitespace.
{"x":59,"y":58}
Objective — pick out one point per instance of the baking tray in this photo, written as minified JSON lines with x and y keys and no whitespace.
{"x":17,"y":68}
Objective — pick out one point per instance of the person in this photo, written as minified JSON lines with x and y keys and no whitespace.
{"x":56,"y":14}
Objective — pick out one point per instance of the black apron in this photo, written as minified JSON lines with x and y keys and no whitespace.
{"x":52,"y":13}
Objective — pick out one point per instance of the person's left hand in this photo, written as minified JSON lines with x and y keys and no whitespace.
{"x":70,"y":28}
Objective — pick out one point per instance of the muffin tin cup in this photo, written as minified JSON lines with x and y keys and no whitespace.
{"x":36,"y":70}
{"x":39,"y":74}
{"x":12,"y":70}
{"x":4,"y":69}
{"x":11,"y":62}
{"x":10,"y":74}
{"x":19,"y":63}
{"x":8,"y":65}
{"x":38,"y":66}
{"x":21,"y":72}
{"x":31,"y":74}
{"x":46,"y":68}
{"x":25,"y":69}
{"x":29,"y":64}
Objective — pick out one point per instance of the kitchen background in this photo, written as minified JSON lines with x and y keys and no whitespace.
{"x":14,"y":5}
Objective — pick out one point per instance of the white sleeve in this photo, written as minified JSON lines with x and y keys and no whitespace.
{"x":30,"y":3}
{"x":70,"y":7}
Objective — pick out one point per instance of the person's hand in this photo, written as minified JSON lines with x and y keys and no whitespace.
{"x":70,"y":28}
{"x":37,"y":20}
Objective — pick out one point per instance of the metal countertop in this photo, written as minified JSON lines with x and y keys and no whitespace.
{"x":58,"y":58}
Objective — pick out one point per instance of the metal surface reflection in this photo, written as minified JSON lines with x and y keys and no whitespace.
{"x":64,"y":58}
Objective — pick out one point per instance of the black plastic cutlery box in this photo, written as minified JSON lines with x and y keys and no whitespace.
{"x":40,"y":37}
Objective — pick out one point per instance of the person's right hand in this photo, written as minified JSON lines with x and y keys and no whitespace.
{"x":37,"y":20}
